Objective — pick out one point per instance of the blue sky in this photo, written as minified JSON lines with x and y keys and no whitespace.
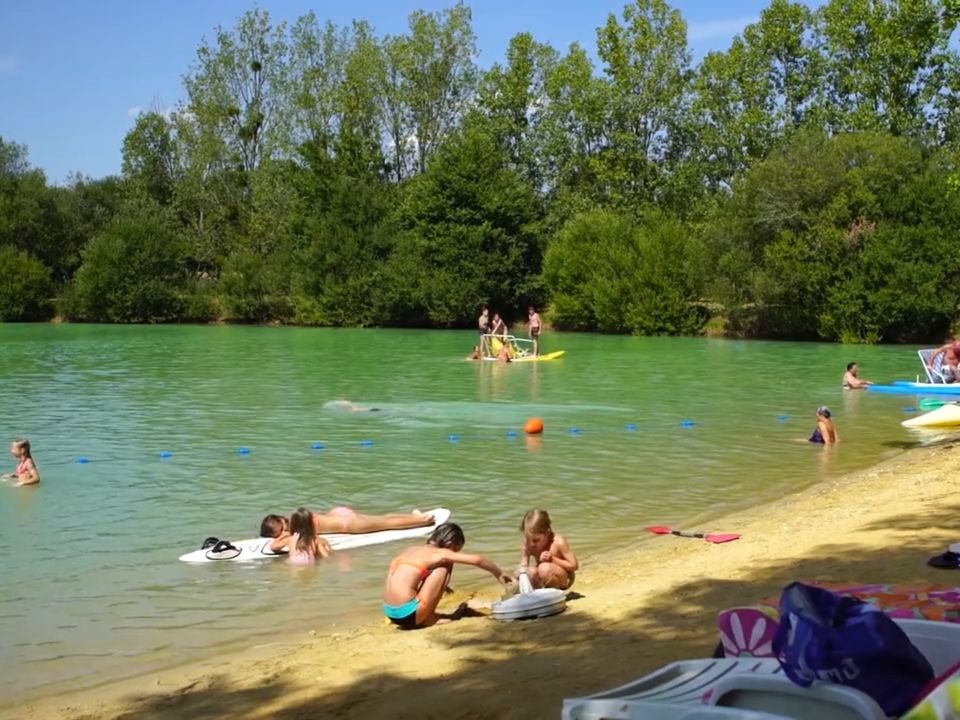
{"x":72,"y":74}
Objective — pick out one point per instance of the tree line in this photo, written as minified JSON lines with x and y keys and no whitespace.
{"x":801,"y":184}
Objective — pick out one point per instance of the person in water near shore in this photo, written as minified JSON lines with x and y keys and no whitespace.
{"x":304,"y":544}
{"x":418,"y":577}
{"x":547,"y":558}
{"x":341,"y":520}
{"x":26,"y":472}
{"x":503,"y":356}
{"x":951,"y":360}
{"x":826,"y":432}
{"x":535,"y":327}
{"x":475,"y":354}
{"x":850,"y":379}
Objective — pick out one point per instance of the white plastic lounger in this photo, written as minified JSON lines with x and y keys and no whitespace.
{"x":754,"y":684}
{"x":936,"y":374}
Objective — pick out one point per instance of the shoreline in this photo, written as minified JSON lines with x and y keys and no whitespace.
{"x":631,"y":612}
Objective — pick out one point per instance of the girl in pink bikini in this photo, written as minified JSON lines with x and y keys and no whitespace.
{"x":340,"y":520}
{"x":304,"y":545}
{"x":26,"y":472}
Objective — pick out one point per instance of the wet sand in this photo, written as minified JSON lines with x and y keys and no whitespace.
{"x":631,"y":613}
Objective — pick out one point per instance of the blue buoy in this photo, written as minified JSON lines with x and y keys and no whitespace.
{"x":454,"y":438}
{"x":574,"y":431}
{"x":632,"y":427}
{"x":317,"y":446}
{"x":243,"y":450}
{"x":166,"y":454}
{"x":687,"y":423}
{"x":511,"y":434}
{"x":909,"y":409}
{"x":366,"y":443}
{"x":83,"y":460}
{"x":783,"y":418}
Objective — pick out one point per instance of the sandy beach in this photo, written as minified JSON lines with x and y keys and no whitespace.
{"x":631,"y":613}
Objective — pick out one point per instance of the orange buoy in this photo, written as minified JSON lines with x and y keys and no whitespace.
{"x":533,"y":426}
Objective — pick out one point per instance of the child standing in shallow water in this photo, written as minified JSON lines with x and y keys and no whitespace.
{"x":304,"y":544}
{"x":548,"y":559}
{"x":26,"y":472}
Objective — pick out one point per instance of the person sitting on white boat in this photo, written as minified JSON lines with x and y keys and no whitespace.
{"x":504,"y":355}
{"x":498,"y":326}
{"x":951,"y":359}
{"x":850,"y":379}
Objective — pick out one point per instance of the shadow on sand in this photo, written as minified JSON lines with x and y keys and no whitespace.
{"x":525,"y":669}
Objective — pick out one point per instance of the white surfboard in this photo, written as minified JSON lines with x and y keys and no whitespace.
{"x":259,"y":548}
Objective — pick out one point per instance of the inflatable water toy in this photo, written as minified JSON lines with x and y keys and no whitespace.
{"x":915,"y":388}
{"x":259,"y":548}
{"x":521,"y":349}
{"x":947,"y":415}
{"x":530,"y":603}
{"x":533,"y":426}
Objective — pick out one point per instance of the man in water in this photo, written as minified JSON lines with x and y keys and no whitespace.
{"x":475,"y":355}
{"x":951,"y":359}
{"x":850,"y":379}
{"x":535,"y":327}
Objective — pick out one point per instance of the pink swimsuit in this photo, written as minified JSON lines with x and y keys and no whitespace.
{"x":344,"y":513}
{"x":299,"y":557}
{"x":22,"y":468}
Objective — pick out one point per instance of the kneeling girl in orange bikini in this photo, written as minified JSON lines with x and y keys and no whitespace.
{"x":419,"y":575}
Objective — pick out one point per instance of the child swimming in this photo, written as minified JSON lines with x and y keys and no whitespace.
{"x":304,"y":544}
{"x":341,"y":520}
{"x":26,"y":472}
{"x":419,"y":575}
{"x":548,"y":559}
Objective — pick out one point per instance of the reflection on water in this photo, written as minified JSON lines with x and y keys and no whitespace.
{"x":92,"y":588}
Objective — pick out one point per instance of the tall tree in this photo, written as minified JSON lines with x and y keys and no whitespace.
{"x":237,"y":89}
{"x":887,"y":61}
{"x":647,"y":61}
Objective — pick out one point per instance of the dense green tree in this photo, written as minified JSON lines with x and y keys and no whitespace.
{"x":26,"y":292}
{"x":133,"y":271}
{"x":466,"y":235}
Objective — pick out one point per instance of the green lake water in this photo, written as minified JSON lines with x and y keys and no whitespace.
{"x":92,"y":589}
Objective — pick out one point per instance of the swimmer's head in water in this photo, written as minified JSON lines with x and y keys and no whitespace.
{"x":448,"y":536}
{"x":824,"y":411}
{"x":273,"y":526}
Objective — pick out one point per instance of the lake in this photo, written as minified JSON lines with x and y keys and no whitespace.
{"x":92,"y":588}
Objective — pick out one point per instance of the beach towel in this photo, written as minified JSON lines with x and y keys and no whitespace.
{"x":837,"y":638}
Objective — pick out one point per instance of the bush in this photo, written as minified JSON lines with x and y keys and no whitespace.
{"x":26,"y":288}
{"x":255,"y":289}
{"x":134,"y":271}
{"x":607,"y":273}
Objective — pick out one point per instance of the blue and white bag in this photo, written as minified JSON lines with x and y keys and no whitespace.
{"x":840,"y":639}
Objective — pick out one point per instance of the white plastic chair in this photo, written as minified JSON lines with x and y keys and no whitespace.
{"x":935,"y":375}
{"x":754,"y":684}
